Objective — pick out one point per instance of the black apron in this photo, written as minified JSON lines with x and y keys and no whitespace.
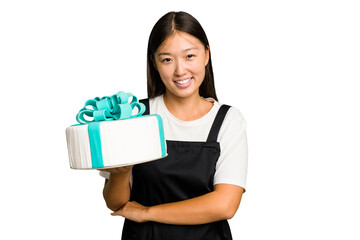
{"x":187,"y":172}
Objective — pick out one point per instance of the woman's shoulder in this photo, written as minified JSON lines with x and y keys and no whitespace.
{"x":234,"y":119}
{"x":156,"y":99}
{"x":156,"y":105}
{"x":234,"y":112}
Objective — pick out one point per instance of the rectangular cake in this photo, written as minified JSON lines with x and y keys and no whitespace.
{"x":116,"y":143}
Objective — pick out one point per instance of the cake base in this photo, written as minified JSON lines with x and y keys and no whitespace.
{"x":117,"y":143}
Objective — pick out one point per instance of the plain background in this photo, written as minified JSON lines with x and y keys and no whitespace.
{"x":291,"y":67}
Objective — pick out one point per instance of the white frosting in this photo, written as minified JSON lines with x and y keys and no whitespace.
{"x":123,"y":142}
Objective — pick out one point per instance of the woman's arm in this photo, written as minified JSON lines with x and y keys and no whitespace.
{"x":117,"y":188}
{"x":218,"y":205}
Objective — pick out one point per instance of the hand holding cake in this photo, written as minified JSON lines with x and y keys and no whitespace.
{"x":117,"y":170}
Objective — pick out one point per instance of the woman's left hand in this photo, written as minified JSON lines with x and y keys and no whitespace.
{"x":217,"y":205}
{"x":133,"y":211}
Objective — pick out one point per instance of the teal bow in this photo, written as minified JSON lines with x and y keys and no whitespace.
{"x":115,"y":107}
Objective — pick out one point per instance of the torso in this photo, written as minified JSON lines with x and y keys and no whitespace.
{"x":187,"y":172}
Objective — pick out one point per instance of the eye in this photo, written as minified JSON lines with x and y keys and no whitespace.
{"x":165,"y":60}
{"x":190,"y":56}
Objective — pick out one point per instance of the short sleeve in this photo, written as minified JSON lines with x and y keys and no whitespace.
{"x":104,"y":174}
{"x":231,"y":167}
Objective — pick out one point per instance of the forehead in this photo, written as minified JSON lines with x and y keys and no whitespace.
{"x":180,"y":41}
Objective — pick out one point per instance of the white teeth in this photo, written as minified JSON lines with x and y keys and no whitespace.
{"x":183,"y":81}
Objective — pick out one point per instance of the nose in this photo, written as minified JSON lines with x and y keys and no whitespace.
{"x":180,"y":69}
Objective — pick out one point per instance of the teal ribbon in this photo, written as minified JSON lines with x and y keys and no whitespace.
{"x":116,"y":107}
{"x":95,"y":145}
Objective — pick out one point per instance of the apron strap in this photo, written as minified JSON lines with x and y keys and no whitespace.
{"x":215,"y":128}
{"x":145,"y":101}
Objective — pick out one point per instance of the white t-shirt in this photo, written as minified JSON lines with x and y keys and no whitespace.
{"x":231,"y":167}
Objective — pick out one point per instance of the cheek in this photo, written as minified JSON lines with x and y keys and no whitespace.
{"x":198,"y":68}
{"x":165,"y":72}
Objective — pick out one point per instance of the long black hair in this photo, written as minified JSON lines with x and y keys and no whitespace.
{"x":164,"y":27}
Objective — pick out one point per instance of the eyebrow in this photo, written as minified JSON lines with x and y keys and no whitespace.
{"x":185,"y":50}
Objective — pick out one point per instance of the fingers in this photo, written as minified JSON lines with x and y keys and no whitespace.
{"x":129,"y":210}
{"x":118,"y":169}
{"x":116,"y":213}
{"x":120,"y":211}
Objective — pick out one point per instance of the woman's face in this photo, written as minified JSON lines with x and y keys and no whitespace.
{"x":180,"y":61}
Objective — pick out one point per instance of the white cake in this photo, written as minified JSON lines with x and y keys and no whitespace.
{"x":116,"y":143}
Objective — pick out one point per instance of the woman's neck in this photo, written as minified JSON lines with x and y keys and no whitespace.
{"x":187,"y":109}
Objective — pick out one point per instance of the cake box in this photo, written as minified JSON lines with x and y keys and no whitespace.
{"x":115,"y":136}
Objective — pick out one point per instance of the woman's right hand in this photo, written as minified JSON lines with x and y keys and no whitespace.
{"x":118,"y":170}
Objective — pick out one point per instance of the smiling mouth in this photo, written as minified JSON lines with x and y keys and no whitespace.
{"x":183,"y":81}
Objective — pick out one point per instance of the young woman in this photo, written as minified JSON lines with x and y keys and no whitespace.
{"x":191,"y":193}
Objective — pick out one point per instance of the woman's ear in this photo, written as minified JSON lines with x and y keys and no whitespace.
{"x":207,"y":55}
